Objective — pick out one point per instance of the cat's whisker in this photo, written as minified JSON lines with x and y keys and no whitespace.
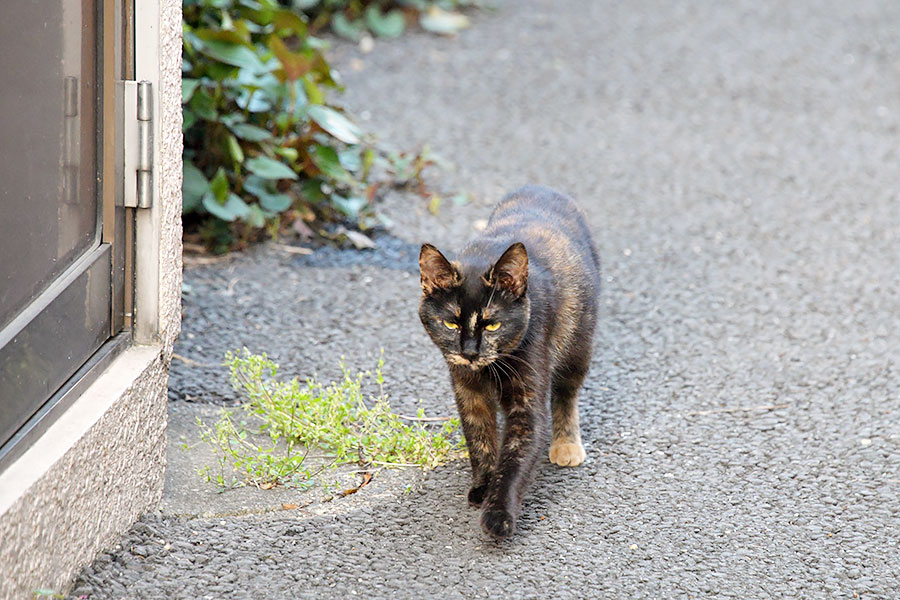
{"x":521,"y":360}
{"x":504,"y":368}
{"x":496,"y":377}
{"x":515,"y":372}
{"x":510,"y":370}
{"x":491,"y":297}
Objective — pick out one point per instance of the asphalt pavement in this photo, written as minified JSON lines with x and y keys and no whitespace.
{"x":739,"y":164}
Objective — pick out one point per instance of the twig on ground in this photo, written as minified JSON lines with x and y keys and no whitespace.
{"x":194,"y":247}
{"x":193,"y":261}
{"x":229,"y":291}
{"x":409,"y":418}
{"x":734,"y":409}
{"x":191,"y":362}
{"x":292,"y":249}
{"x":364,"y":471}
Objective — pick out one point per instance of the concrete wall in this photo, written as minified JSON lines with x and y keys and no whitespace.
{"x":101,"y":465}
{"x":87,"y":479}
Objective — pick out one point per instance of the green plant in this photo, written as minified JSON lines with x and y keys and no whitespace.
{"x":330,"y":423}
{"x":261,"y":139}
{"x":264,"y":145}
{"x":385,"y":18}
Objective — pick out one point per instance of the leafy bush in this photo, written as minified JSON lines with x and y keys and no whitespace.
{"x":384,"y":18}
{"x":263,"y":145}
{"x":260,"y":137}
{"x":332,"y":420}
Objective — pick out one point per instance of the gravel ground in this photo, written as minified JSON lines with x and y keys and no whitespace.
{"x":738,"y":162}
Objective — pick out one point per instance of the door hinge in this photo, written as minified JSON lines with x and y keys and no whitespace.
{"x":138,"y":144}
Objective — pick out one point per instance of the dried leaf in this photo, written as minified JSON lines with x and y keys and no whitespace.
{"x":302,"y":229}
{"x":434,"y":204}
{"x":438,"y":20}
{"x":360,"y":240}
{"x":371,"y":191}
{"x":295,"y":65}
{"x":367,"y":477}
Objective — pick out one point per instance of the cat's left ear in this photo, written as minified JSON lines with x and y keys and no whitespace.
{"x":510,"y":272}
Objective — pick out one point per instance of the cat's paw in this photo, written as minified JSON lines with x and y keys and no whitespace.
{"x":477,"y":494}
{"x":498,"y":523}
{"x":567,"y":454}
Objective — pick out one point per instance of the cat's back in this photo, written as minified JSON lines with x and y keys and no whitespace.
{"x":537,"y":202}
{"x":551,"y":226}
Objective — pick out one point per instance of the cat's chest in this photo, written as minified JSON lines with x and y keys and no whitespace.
{"x":501,"y":385}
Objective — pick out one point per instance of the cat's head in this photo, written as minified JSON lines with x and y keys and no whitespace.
{"x":474,"y":313}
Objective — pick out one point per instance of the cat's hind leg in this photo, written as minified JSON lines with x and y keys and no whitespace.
{"x":565,"y":448}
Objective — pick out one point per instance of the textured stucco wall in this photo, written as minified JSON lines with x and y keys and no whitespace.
{"x":169,"y":172}
{"x":112,"y":471}
{"x":94,"y":492}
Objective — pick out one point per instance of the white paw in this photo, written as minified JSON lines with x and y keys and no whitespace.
{"x":567,"y":454}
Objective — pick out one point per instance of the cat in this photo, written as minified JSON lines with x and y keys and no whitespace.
{"x":514,"y":318}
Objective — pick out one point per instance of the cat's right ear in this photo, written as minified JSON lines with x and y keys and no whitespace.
{"x":436,"y":271}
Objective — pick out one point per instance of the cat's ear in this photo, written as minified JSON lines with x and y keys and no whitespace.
{"x":510,"y":273}
{"x":436,"y":271}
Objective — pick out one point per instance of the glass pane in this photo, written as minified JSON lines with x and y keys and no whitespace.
{"x":48,"y":203}
{"x":41,"y":357}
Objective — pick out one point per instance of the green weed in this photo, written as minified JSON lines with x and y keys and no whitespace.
{"x":305,"y":428}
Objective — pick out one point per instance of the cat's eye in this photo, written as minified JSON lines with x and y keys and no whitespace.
{"x":450,"y":325}
{"x":492,"y":326}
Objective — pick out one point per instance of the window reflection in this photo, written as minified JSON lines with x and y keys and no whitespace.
{"x":48,"y":203}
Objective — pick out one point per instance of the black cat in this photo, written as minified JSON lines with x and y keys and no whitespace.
{"x":514,"y":317}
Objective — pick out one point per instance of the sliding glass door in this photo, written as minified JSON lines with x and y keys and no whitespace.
{"x":61,"y":273}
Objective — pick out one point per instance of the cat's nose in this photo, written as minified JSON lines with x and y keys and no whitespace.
{"x":469,"y":350}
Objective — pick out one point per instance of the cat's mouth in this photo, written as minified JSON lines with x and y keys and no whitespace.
{"x":476,"y":364}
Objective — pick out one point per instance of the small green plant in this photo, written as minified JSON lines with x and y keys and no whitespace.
{"x":308,"y":422}
{"x":385,"y":18}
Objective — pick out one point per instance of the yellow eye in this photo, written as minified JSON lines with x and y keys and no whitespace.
{"x":492,"y":327}
{"x":450,"y":325}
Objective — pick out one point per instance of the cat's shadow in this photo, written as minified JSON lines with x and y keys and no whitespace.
{"x":448,"y":487}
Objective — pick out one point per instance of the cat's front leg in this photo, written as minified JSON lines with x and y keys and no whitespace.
{"x":479,"y":422}
{"x":522,"y":444}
